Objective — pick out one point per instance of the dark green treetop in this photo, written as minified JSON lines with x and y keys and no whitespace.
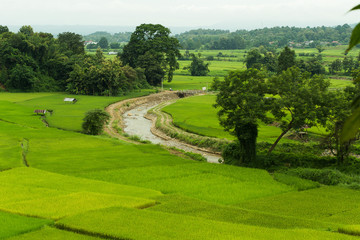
{"x":152,"y":39}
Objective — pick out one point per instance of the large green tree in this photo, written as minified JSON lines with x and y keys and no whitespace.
{"x":71,"y":43}
{"x":103,"y":43}
{"x":242,"y":103}
{"x":198,"y":67}
{"x":286,"y":59}
{"x":147,"y":43}
{"x":95,"y":75}
{"x":299,"y":100}
{"x":254,"y":59}
{"x":3,"y":29}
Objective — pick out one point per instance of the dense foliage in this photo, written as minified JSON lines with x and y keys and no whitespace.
{"x":35,"y":61}
{"x":39,"y":62}
{"x":152,"y":48}
{"x":112,"y":38}
{"x":198,"y":67}
{"x":275,"y":37}
{"x":95,"y":75}
{"x":94,"y":121}
{"x":242,"y":102}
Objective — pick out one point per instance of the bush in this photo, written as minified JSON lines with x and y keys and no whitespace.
{"x":94,"y":121}
{"x":231,"y":153}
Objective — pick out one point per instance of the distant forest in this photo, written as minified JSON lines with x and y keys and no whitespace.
{"x":276,"y":37}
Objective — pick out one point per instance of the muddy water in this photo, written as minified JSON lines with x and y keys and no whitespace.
{"x":137,"y":124}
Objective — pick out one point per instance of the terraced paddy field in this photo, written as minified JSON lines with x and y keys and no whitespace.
{"x":61,"y":184}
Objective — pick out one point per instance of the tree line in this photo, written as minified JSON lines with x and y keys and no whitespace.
{"x":31,"y":61}
{"x":276,"y":37}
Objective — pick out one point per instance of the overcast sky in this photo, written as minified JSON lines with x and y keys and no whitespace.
{"x":225,"y":14}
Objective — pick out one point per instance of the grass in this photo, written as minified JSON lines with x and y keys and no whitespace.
{"x":319,"y":204}
{"x":178,"y":204}
{"x":124,"y":223}
{"x":48,"y":233}
{"x":217,"y":68}
{"x":340,"y":83}
{"x":32,"y":178}
{"x":69,"y":116}
{"x":11,"y":153}
{"x":199,"y":180}
{"x":351,"y":230}
{"x":74,"y":203}
{"x":12,"y":224}
{"x":78,"y":177}
{"x":181,"y":82}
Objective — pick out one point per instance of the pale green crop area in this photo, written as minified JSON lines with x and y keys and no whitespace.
{"x":48,"y":233}
{"x":94,"y":187}
{"x":159,"y":225}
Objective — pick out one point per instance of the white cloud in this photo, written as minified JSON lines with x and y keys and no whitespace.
{"x":244,"y":14}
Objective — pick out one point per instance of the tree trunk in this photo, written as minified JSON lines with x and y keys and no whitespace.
{"x":278,"y":139}
{"x":247,"y":134}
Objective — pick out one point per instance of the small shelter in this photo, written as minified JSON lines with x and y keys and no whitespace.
{"x":70,"y":100}
{"x":40,"y":111}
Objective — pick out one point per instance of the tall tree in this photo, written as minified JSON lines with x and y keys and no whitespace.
{"x":3,"y":29}
{"x":103,"y":43}
{"x":71,"y":43}
{"x":26,"y":30}
{"x":242,"y":103}
{"x":146,"y":43}
{"x":286,"y":59}
{"x":254,"y":59}
{"x":198,"y":67}
{"x":300,"y":100}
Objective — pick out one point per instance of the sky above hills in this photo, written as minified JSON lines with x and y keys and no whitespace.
{"x":224,"y":14}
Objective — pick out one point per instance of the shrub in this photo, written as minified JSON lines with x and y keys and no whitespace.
{"x":94,"y":121}
{"x":231,"y":153}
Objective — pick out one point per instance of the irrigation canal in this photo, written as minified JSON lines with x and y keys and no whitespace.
{"x":136,"y":124}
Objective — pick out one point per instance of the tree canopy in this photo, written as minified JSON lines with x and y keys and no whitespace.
{"x":151,"y":48}
{"x":198,"y":67}
{"x":242,"y":103}
{"x":299,"y":100}
{"x":31,"y":61}
{"x":94,"y":121}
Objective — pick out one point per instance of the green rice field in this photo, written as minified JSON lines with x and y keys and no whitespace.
{"x":56,"y":183}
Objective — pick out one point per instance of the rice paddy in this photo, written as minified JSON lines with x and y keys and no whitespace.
{"x":56,"y":183}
